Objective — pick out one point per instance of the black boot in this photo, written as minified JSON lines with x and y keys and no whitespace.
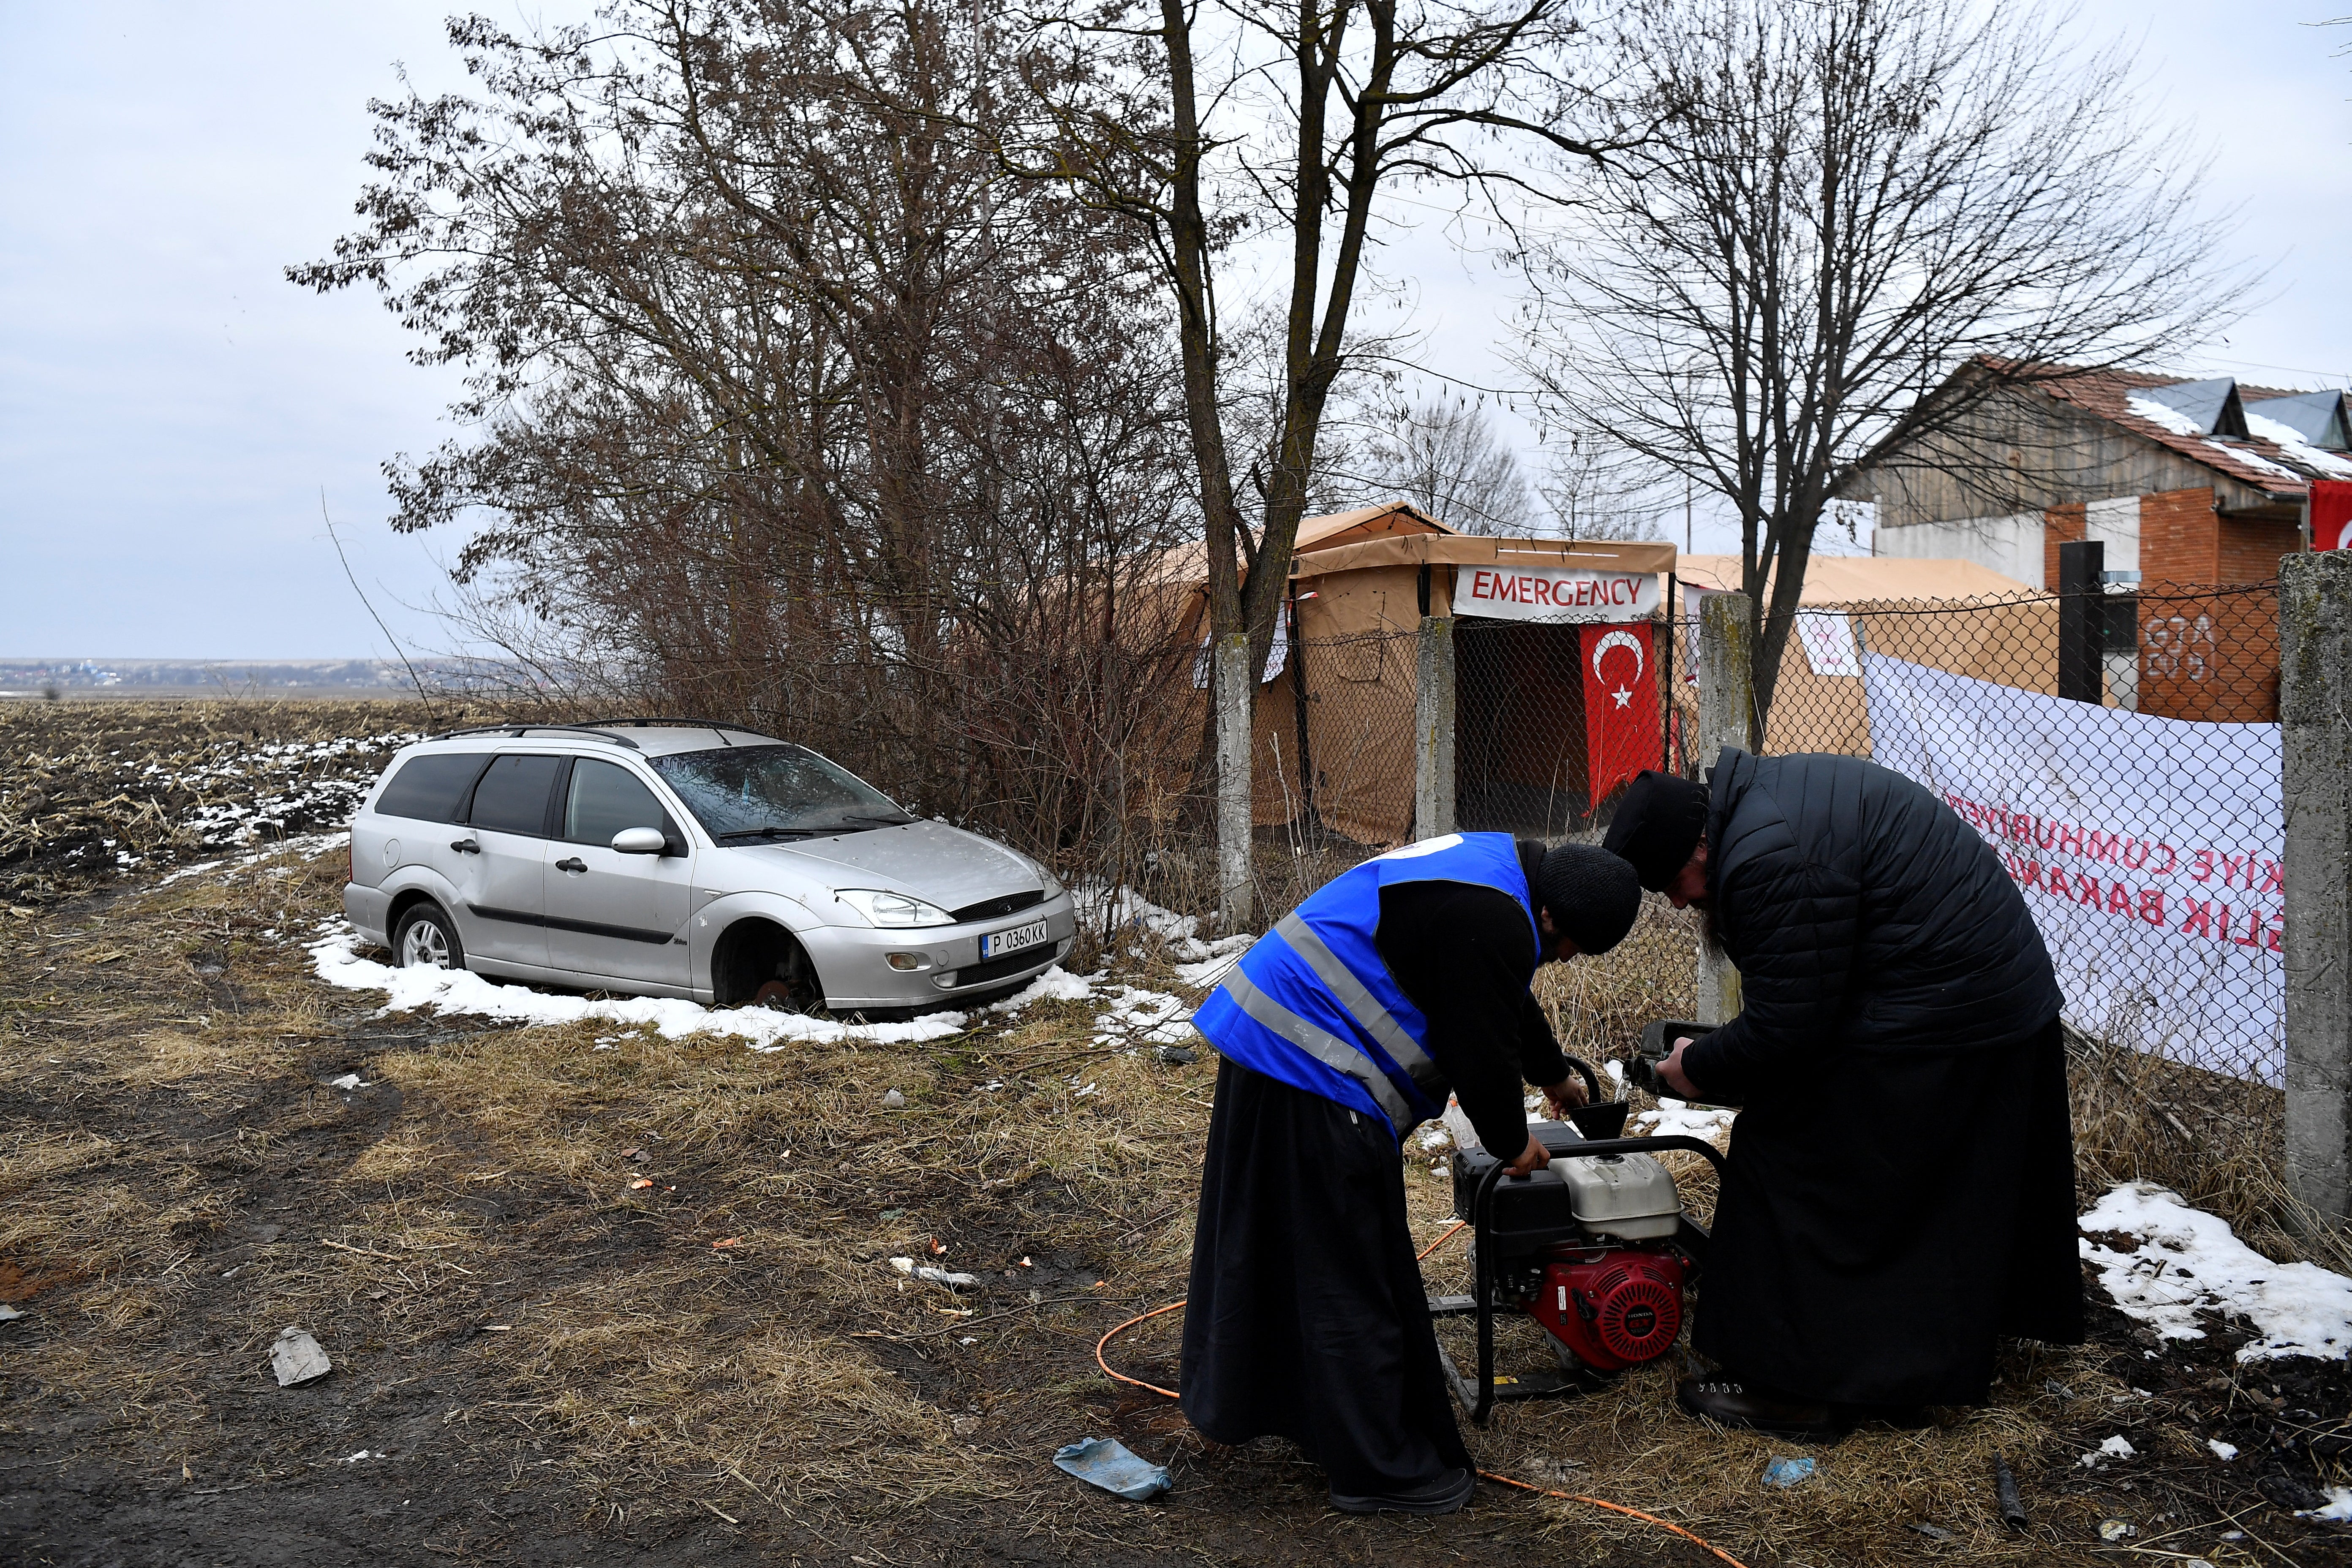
{"x":1723,"y":1397}
{"x":1446,"y":1494}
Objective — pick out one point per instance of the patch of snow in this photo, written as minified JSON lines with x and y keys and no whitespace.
{"x":1056,"y":985}
{"x":2289,"y":439}
{"x":2188,"y":1261}
{"x":453,"y":991}
{"x":2222,"y":1451}
{"x":1435,"y":1136}
{"x":2336,"y":1510}
{"x":1105,"y":907}
{"x":1675,"y":1118}
{"x":2156,"y":413}
{"x":1143,"y":1017}
{"x":309,"y":846}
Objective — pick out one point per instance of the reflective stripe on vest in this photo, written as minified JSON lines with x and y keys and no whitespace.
{"x":1313,"y":1004}
{"x":1361,"y":1003}
{"x":1324,"y":1047}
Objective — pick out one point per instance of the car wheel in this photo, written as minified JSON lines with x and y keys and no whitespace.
{"x":426,"y":938}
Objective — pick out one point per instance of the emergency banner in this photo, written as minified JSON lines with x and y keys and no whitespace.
{"x":1620,"y":705}
{"x":2148,"y":849}
{"x":1554,"y":594}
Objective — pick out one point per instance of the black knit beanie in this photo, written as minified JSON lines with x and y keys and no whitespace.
{"x":1590,"y":893}
{"x":1658,"y":825}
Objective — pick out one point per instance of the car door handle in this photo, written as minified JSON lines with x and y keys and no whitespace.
{"x":464,"y":846}
{"x":572,"y":863}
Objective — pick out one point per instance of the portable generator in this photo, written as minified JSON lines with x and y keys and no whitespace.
{"x":1596,"y":1246}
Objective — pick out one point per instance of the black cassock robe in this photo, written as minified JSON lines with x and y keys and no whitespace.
{"x":1307,"y":1316}
{"x":1901,"y":1184}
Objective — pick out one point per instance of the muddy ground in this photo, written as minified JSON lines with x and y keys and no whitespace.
{"x":538,"y":1358}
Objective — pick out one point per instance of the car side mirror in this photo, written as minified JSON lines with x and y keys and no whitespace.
{"x":639,"y":841}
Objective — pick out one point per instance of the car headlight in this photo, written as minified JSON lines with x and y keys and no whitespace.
{"x":893,"y":910}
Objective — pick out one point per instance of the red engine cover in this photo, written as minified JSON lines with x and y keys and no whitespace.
{"x":1615,"y":1308}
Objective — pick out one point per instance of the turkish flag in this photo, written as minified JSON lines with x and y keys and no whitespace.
{"x":2331,"y":514}
{"x":1621,"y":704}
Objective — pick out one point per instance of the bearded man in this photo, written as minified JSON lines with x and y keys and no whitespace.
{"x":1900,"y":1186}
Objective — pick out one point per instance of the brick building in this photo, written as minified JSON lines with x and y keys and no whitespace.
{"x":2191,"y":485}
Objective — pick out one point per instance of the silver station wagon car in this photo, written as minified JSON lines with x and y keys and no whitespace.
{"x":675,"y":858}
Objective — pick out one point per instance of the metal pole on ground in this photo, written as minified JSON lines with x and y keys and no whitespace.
{"x":2315,"y":732}
{"x":1727,"y":717}
{"x":1231,"y":686}
{"x":1433,"y":711}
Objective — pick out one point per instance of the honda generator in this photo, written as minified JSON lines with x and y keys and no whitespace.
{"x":1596,"y":1246}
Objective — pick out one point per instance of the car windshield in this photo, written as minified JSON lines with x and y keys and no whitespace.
{"x":774,"y":792}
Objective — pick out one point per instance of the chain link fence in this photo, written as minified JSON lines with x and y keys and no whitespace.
{"x":2140,"y":813}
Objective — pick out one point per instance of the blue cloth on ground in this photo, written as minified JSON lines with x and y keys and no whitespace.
{"x":1109,"y":1464}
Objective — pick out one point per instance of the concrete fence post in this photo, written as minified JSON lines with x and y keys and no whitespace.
{"x":1232,"y":689}
{"x":1433,"y":712}
{"x":1727,"y":717}
{"x":2315,"y":732}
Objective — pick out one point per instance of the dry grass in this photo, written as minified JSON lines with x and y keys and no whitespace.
{"x":469,"y":1224}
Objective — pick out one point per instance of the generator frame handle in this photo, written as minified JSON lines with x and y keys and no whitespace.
{"x":1482,"y":1208}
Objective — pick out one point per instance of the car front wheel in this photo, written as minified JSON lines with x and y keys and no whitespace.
{"x":426,"y":938}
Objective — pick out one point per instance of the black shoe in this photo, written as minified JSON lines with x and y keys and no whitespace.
{"x":1446,"y":1494}
{"x":1723,"y":1397}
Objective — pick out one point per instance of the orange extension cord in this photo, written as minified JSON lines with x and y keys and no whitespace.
{"x":1695,"y":1539}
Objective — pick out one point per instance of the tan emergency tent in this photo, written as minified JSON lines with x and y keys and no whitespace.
{"x":1899,"y":608}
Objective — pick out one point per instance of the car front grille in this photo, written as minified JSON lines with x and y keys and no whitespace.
{"x":1010,"y":904}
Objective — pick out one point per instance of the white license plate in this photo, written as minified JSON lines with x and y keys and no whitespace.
{"x":997,"y":943}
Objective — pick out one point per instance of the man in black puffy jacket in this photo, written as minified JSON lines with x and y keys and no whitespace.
{"x":1900,"y":1188}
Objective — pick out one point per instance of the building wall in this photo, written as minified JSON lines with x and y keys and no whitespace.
{"x":2250,"y":550}
{"x":2179,"y":538}
{"x":2025,"y":450}
{"x":2009,"y":545}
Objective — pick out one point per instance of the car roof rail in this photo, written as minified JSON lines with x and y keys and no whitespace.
{"x":648,"y":721}
{"x":519,"y":730}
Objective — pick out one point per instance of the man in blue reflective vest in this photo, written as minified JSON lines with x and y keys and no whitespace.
{"x":1396,"y":983}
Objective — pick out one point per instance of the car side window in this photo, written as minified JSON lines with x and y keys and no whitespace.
{"x":432,"y":788}
{"x":513,"y":794}
{"x":603,"y":799}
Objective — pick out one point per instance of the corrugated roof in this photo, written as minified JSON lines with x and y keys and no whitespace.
{"x":2263,"y":465}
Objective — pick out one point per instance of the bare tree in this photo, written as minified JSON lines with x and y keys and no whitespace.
{"x":1594,"y":490}
{"x":1292,"y":119}
{"x":783,"y":403}
{"x":1847,"y":202}
{"x":1444,"y":457}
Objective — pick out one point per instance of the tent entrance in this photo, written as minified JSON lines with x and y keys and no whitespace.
{"x":1519,"y":748}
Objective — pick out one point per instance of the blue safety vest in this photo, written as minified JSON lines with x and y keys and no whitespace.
{"x":1311,"y":1003}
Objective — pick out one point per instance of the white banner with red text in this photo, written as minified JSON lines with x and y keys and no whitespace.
{"x":2148,"y":849}
{"x":1554,"y":594}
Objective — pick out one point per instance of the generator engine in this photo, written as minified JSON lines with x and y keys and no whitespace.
{"x":1591,"y":1248}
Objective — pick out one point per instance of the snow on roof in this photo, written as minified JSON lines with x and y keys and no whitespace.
{"x":2317,"y":418}
{"x":2212,"y":422}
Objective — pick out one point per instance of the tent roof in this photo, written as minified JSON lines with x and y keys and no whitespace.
{"x":1483,"y":550}
{"x":1187,"y":563}
{"x":1865,"y":579}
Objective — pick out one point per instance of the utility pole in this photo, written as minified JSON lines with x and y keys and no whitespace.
{"x":1433,"y":705}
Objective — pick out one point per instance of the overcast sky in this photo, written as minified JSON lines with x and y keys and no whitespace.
{"x":171,"y":409}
